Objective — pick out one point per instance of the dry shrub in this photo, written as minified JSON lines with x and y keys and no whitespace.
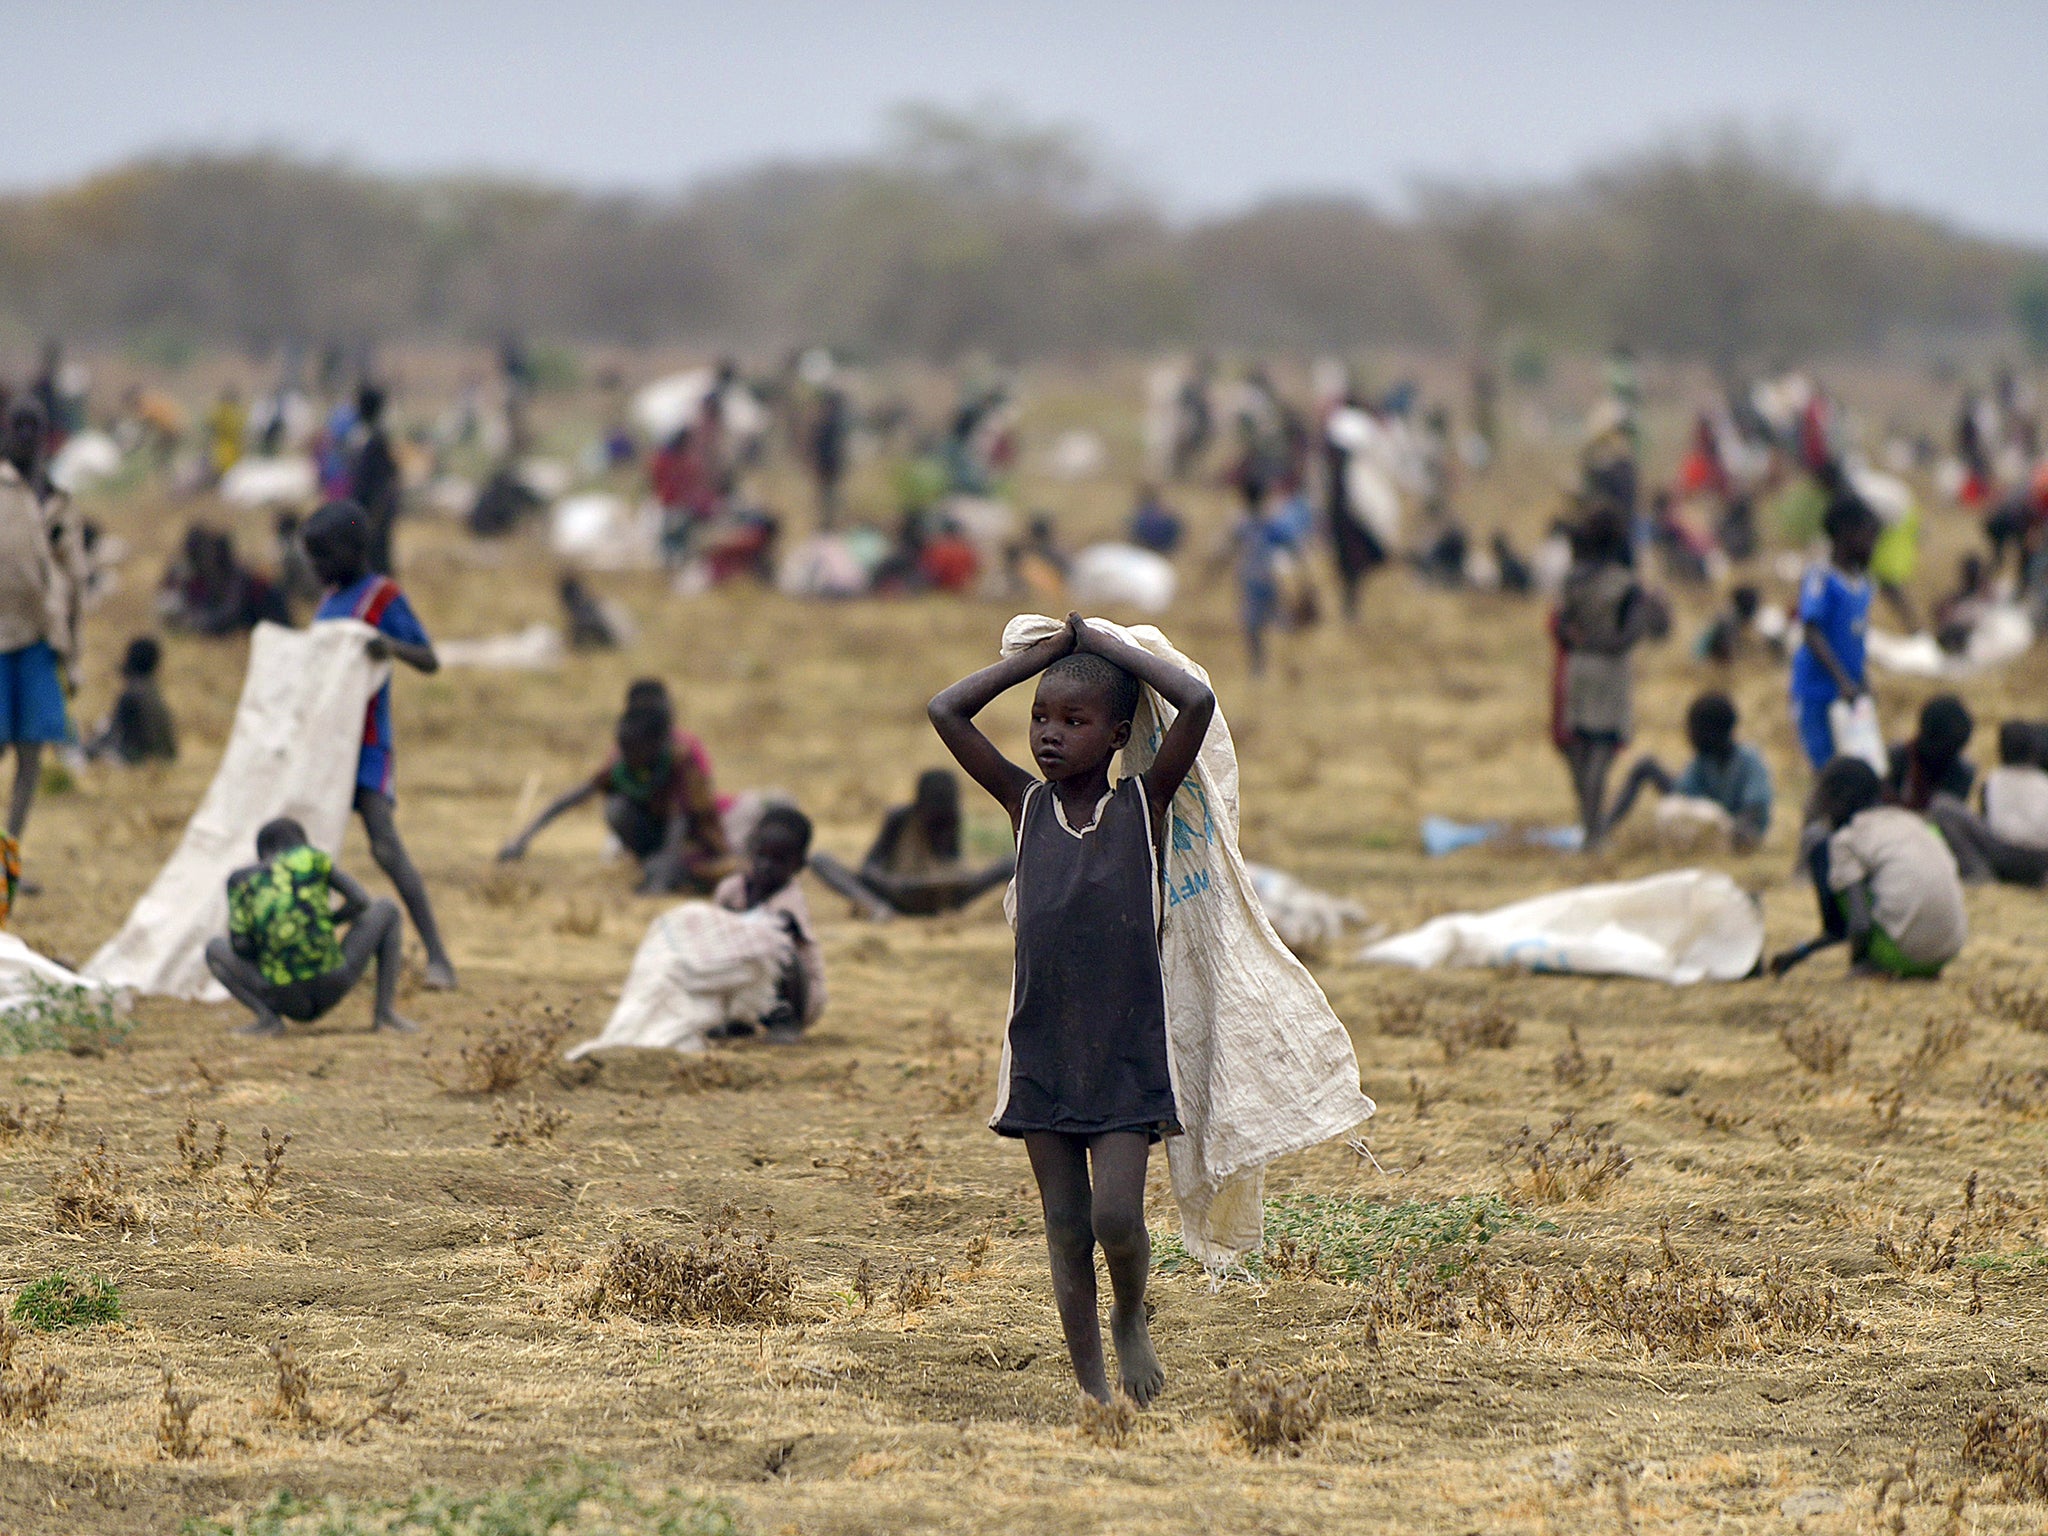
{"x":726,"y":1279}
{"x":1403,"y":1017}
{"x":2013,"y":1444}
{"x":899,"y":1166}
{"x":262,"y":1181}
{"x":533,"y":1123}
{"x":864,"y":1284}
{"x":26,"y":1396}
{"x":1928,"y":1251}
{"x":919,"y":1286}
{"x":2025,"y":1006}
{"x":19,"y":1122}
{"x":293,"y":1400}
{"x":1819,"y":1046}
{"x":1284,"y":1258}
{"x":963,"y":1087}
{"x":1421,"y":1097}
{"x":506,"y":1054}
{"x":2017,"y":1093}
{"x":1719,"y":1117}
{"x":1106,"y":1424}
{"x":504,"y":887}
{"x":93,"y":1193}
{"x":579,"y":920}
{"x":197,"y":1153}
{"x":713,"y":1072}
{"x":175,"y":1436}
{"x":1939,"y":1040}
{"x":382,"y":1403}
{"x":1490,"y":1029}
{"x":1574,"y":1069}
{"x":1569,"y":1163}
{"x":1274,"y":1412}
{"x":979,"y":1247}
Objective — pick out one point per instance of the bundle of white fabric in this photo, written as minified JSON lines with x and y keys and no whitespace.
{"x":700,"y":966}
{"x":1261,"y":1066}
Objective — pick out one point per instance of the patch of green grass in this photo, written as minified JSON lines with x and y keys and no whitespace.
{"x":1354,"y":1237}
{"x":577,"y":1499}
{"x":60,"y":1301}
{"x":86,"y":1021}
{"x":2000,"y":1263}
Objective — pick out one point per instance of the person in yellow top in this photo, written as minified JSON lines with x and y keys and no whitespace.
{"x":227,"y":428}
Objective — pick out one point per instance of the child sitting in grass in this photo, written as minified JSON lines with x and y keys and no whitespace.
{"x":1085,"y":1080}
{"x":915,"y":866}
{"x":1724,"y":772}
{"x":1886,"y":883}
{"x":776,"y":851}
{"x":281,"y":958}
{"x":337,"y":540}
{"x":658,"y":799}
{"x":139,"y":730}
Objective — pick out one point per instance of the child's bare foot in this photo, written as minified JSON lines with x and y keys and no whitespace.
{"x":439,"y":976}
{"x":1136,"y":1363}
{"x":263,"y":1026}
{"x":395,"y":1024}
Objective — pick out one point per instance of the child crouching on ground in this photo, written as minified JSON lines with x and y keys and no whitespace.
{"x":1723,"y":772}
{"x":1086,"y":1083}
{"x":139,"y":730}
{"x":776,"y":851}
{"x":281,"y":958}
{"x":1886,"y":882}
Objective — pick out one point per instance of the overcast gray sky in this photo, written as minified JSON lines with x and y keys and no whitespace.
{"x":1206,"y":105}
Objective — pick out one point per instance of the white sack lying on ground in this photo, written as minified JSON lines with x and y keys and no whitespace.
{"x":1261,"y":1067}
{"x":86,"y":459}
{"x":699,"y":966}
{"x":600,"y":532}
{"x":292,"y":752}
{"x":536,"y":648}
{"x":284,"y":481}
{"x":1304,"y":917}
{"x":1685,"y":926}
{"x":21,"y":968}
{"x":2003,"y":634}
{"x":1122,"y":576}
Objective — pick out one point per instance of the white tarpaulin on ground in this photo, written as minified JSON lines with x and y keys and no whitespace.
{"x":292,"y":752}
{"x":601,"y":532}
{"x":699,"y":966}
{"x":1686,"y":926}
{"x":1261,"y":1066}
{"x":284,"y":481}
{"x":21,"y":968}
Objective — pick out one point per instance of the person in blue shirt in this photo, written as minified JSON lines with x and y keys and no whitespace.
{"x":337,"y":540}
{"x":1729,"y":773}
{"x":1834,"y":614}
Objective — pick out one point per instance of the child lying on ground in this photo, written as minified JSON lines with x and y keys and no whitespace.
{"x":776,"y":850}
{"x":281,"y":958}
{"x":658,"y":800}
{"x":1086,"y":1083}
{"x":1723,"y":772}
{"x":915,"y":867}
{"x":337,"y":540}
{"x":139,"y":730}
{"x":1886,"y":883}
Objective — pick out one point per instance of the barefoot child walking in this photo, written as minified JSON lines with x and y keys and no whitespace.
{"x":1086,"y":1085}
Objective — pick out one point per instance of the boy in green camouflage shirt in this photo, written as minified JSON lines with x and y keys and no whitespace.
{"x":282,"y":957}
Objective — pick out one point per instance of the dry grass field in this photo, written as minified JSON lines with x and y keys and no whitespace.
{"x":1752,"y":1257}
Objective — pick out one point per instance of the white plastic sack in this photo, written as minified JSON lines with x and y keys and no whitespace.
{"x":698,"y":967}
{"x":1857,"y":732}
{"x":280,"y":482}
{"x":21,"y":968}
{"x":1692,"y":821}
{"x":1305,"y":918}
{"x":292,"y":752}
{"x":84,"y":461}
{"x":823,"y":565}
{"x":1261,"y":1066}
{"x":1122,"y":576}
{"x":536,"y":648}
{"x":1682,"y":927}
{"x":600,"y":532}
{"x":663,"y":408}
{"x":2003,"y":634}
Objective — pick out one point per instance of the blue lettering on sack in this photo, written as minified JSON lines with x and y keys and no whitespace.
{"x":1190,"y":887}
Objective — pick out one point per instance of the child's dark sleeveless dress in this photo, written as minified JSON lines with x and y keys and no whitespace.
{"x":1086,"y":1047}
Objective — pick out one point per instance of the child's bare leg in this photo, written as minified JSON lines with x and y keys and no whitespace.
{"x":1647,"y":772}
{"x":1060,"y":1165}
{"x":1118,"y":1199}
{"x":389,"y":851}
{"x":28,"y":773}
{"x":246,"y":985}
{"x":378,"y":935}
{"x":1591,"y":763}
